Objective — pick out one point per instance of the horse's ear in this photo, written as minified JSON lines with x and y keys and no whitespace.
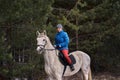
{"x":45,"y":33}
{"x":37,"y":33}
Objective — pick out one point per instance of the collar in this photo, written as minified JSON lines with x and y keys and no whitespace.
{"x":60,"y":31}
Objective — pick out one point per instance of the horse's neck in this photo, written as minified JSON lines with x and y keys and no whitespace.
{"x":49,"y":45}
{"x":50,"y":53}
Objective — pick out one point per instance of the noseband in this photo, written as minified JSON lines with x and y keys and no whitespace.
{"x":42,"y":46}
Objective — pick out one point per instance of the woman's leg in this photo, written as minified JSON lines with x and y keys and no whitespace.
{"x":65,"y":53}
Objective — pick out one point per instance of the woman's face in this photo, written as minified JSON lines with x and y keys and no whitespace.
{"x":59,"y":29}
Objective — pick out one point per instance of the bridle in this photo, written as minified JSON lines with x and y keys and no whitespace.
{"x":43,"y":47}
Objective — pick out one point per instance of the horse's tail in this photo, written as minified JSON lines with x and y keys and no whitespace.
{"x":90,"y":75}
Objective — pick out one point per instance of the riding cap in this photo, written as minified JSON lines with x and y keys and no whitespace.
{"x":59,"y":26}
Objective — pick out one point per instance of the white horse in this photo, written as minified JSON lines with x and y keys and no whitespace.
{"x":53,"y":67}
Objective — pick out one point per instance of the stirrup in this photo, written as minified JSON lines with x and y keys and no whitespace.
{"x":72,"y":68}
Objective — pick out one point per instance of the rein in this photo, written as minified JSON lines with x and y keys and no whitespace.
{"x":44,"y":47}
{"x":50,"y":49}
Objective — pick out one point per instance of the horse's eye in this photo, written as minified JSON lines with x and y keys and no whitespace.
{"x":43,"y":39}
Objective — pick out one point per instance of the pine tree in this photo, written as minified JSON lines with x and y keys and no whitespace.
{"x":19,"y":21}
{"x":92,"y":22}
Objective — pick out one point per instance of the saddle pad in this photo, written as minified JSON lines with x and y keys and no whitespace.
{"x":73,"y":59}
{"x":64,"y":61}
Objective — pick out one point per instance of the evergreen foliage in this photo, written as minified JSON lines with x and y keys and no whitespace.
{"x":93,"y":27}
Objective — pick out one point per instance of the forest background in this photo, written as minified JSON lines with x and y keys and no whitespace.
{"x":93,"y":27}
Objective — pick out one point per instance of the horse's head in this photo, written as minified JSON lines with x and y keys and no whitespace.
{"x":41,"y":41}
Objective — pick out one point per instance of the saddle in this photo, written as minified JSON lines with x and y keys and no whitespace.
{"x":64,"y":61}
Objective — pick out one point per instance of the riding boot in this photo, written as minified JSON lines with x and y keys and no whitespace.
{"x":72,"y":67}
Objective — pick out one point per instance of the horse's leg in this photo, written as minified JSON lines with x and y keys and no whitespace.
{"x":49,"y":78}
{"x":58,"y":76}
{"x":85,"y":70}
{"x":59,"y":79}
{"x":85,"y":66}
{"x":81,"y":75}
{"x":90,"y":74}
{"x":85,"y":75}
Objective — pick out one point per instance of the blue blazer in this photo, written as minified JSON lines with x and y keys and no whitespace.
{"x":61,"y":40}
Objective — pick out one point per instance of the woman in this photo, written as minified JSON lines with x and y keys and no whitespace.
{"x":61,"y":43}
